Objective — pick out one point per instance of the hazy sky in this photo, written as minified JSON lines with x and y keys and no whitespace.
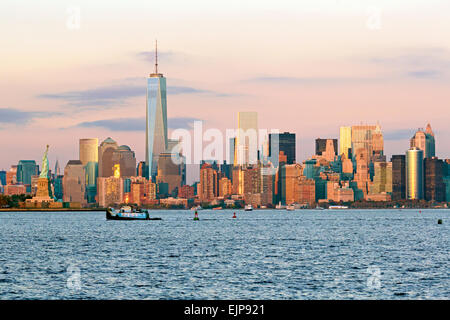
{"x":305,"y":66}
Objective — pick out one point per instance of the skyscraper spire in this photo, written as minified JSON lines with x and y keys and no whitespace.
{"x":156,"y":57}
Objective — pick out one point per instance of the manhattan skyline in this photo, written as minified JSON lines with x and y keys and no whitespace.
{"x":302,"y":72}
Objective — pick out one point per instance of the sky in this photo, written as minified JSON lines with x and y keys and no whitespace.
{"x":77,"y":69}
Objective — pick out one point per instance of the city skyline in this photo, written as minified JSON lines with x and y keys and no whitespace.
{"x":298,"y":88}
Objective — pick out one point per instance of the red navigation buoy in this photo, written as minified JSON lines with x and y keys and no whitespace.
{"x":196,"y":216}
{"x":234,"y":215}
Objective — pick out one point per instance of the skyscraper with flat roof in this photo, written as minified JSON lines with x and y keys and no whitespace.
{"x":345,"y":141}
{"x":156,"y":119}
{"x":414,"y":174}
{"x":89,"y":158}
{"x":247,"y":139}
{"x":286,"y":143}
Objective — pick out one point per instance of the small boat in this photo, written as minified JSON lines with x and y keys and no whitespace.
{"x":290,"y":207}
{"x":196,"y":208}
{"x":217,"y":208}
{"x":279,"y":206}
{"x":248,"y":207}
{"x":319,"y":208}
{"x":126,"y":213}
{"x":337,"y":207}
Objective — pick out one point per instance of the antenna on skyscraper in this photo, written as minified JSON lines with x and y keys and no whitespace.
{"x":156,"y":57}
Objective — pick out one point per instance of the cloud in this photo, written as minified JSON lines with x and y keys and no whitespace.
{"x":424,"y":74}
{"x":117,"y":94}
{"x":418,"y":63}
{"x":310,"y":80}
{"x":103,"y":96}
{"x":136,"y":124}
{"x":15,"y":116}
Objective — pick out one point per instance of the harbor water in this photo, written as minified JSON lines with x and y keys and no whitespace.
{"x":261,"y":254}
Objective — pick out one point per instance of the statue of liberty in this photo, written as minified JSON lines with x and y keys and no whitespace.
{"x":45,"y":165}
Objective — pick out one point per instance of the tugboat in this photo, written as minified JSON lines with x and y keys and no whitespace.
{"x":248,"y":207}
{"x":127,"y":213}
{"x":290,"y":207}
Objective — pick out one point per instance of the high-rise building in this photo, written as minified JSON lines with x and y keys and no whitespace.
{"x":126,"y":158}
{"x":368,"y":137}
{"x":25,"y":170}
{"x":89,"y":158}
{"x":3,"y":178}
{"x":88,"y":150}
{"x":110,"y":190}
{"x":247,"y":139}
{"x":207,"y":189}
{"x":434,"y":179}
{"x":382,"y":179}
{"x":170,"y":171}
{"x":105,"y":154}
{"x":398,"y":177}
{"x":345,"y":141}
{"x":232,"y":150}
{"x":321,"y":145}
{"x":286,"y":144}
{"x":156,"y":120}
{"x":74,"y":182}
{"x":414,"y":174}
{"x":424,"y":140}
{"x":11,"y":175}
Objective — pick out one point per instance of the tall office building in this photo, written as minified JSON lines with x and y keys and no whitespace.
{"x":74,"y":182}
{"x":434,"y":179}
{"x":247,"y":139}
{"x":105,"y":153}
{"x":156,"y":120}
{"x":424,"y":140}
{"x":89,"y":158}
{"x":414,"y":174}
{"x":126,"y":159}
{"x":345,"y":141}
{"x":207,"y":189}
{"x":286,"y":143}
{"x":25,"y":170}
{"x":368,"y":137}
{"x":170,"y":172}
{"x":321,"y":146}
{"x":398,"y":177}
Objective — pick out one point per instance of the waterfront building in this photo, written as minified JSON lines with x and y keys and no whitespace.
{"x":207,"y":189}
{"x":88,"y":155}
{"x":186,"y":192}
{"x":286,"y":144}
{"x":362,"y":176}
{"x":382,"y":179}
{"x":225,"y":187}
{"x":424,"y":140}
{"x":156,"y":140}
{"x":345,"y":141}
{"x":414,"y":174}
{"x":74,"y":182}
{"x":14,"y":189}
{"x":434,"y":179}
{"x":398,"y":177}
{"x":110,"y":190}
{"x":247,"y":139}
{"x":105,"y":154}
{"x":170,"y":171}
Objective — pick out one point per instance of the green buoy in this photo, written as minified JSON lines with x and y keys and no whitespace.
{"x":440,"y":221}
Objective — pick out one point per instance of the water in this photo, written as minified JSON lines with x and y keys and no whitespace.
{"x":306,"y":254}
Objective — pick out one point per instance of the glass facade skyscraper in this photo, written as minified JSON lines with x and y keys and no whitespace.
{"x":156,"y":121}
{"x":414,"y":174}
{"x":345,"y":141}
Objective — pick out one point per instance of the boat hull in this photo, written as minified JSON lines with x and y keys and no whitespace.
{"x":128,"y":216}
